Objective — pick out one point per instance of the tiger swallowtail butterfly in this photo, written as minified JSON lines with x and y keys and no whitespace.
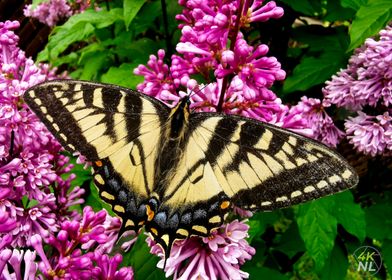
{"x":176,"y":172}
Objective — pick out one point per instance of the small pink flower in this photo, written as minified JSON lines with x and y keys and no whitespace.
{"x":370,"y":135}
{"x":191,"y":259}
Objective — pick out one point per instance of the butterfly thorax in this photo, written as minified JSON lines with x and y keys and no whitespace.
{"x":179,"y":119}
{"x":172,"y":146}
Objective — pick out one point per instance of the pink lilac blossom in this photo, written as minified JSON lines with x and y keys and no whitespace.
{"x":12,"y":261}
{"x":367,"y":82}
{"x":81,"y":249}
{"x":322,"y":125}
{"x":90,"y":233}
{"x":203,"y":50}
{"x":27,"y":150}
{"x":35,"y":198}
{"x":50,"y":12}
{"x":370,"y":135}
{"x":218,"y":256}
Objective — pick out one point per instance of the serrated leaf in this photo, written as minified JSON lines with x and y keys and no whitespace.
{"x":122,"y":76}
{"x":78,"y":27}
{"x":335,"y":266}
{"x":131,"y":8}
{"x":98,"y":18}
{"x":369,"y":19}
{"x":354,"y":4}
{"x":318,"y":229}
{"x":69,"y":59}
{"x":63,"y":38}
{"x":350,"y":215}
{"x":387,"y":255}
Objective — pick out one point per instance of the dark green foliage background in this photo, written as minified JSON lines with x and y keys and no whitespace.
{"x":315,"y":240}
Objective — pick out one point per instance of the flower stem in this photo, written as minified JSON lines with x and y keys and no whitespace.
{"x":169,"y":46}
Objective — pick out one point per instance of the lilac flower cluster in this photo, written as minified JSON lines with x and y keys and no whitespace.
{"x":35,"y":200}
{"x":238,"y":76}
{"x":215,"y":257}
{"x":366,"y":85}
{"x":50,"y":12}
{"x":95,"y":230}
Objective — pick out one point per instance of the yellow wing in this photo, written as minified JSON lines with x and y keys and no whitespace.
{"x":258,"y":166}
{"x":117,"y":128}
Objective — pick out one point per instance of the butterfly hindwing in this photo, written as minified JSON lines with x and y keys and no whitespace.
{"x":115,"y":128}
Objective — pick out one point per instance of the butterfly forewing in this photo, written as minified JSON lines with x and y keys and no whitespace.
{"x":117,"y":128}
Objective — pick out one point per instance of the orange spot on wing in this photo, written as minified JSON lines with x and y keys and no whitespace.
{"x":225,"y":204}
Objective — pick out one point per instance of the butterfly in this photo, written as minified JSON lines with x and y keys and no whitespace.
{"x":176,"y":172}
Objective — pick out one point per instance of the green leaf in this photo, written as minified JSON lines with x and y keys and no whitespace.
{"x":354,"y":4}
{"x":32,"y":203}
{"x":93,"y":65}
{"x":136,"y":51}
{"x":131,"y":8}
{"x":147,"y":17}
{"x":79,"y":27}
{"x":100,"y":18}
{"x":369,"y":19}
{"x":35,"y":3}
{"x":259,"y":222}
{"x":69,"y":59}
{"x":336,"y":265}
{"x":350,"y":215}
{"x":256,"y":273}
{"x":312,"y":71}
{"x":336,"y":12}
{"x":318,"y":228}
{"x":142,"y":261}
{"x":82,"y":174}
{"x":63,"y":38}
{"x":122,"y":76}
{"x":290,"y":242}
{"x":307,"y":7}
{"x":326,"y":55}
{"x":387,"y":255}
{"x":95,"y":201}
{"x":379,"y":220}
